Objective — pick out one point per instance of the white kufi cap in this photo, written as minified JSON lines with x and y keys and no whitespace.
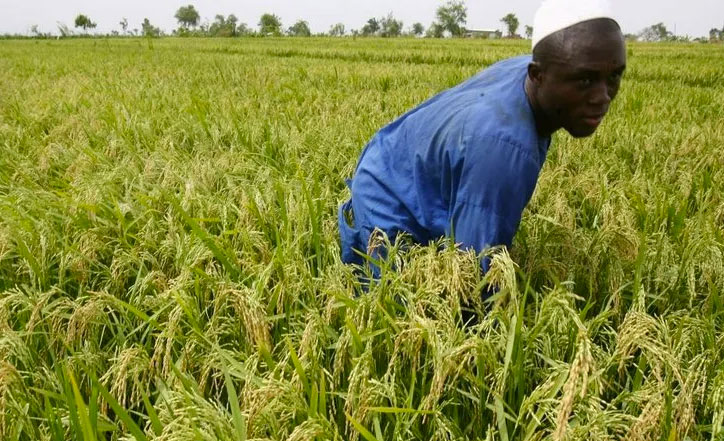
{"x":554,"y":15}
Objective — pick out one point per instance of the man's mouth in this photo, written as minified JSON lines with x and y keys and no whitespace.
{"x":594,"y":120}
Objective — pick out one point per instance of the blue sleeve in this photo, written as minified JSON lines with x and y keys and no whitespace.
{"x":497,"y":181}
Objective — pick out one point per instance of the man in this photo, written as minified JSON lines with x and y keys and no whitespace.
{"x":464,"y":163}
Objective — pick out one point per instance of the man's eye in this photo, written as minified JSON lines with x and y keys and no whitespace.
{"x":585,"y":82}
{"x":616,"y":76}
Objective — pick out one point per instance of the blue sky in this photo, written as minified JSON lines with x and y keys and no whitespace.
{"x":692,"y":17}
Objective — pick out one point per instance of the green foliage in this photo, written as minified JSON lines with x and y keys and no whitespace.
{"x":383,"y":27}
{"x":223,"y":27}
{"x":511,"y":22}
{"x":418,"y":29}
{"x":243,"y":29}
{"x":299,"y":29}
{"x":187,"y":16}
{"x":270,"y":24}
{"x":337,"y":30}
{"x":372,"y":27}
{"x":390,"y":27}
{"x":528,"y":32}
{"x":83,"y":21}
{"x":656,"y":32}
{"x":436,"y":30}
{"x":149,"y":30}
{"x":716,"y":34}
{"x":451,"y":17}
{"x":169,"y":258}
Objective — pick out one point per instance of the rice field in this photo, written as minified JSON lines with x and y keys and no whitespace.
{"x":169,"y":257}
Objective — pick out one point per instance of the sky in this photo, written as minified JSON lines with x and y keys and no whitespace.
{"x":691,"y":17}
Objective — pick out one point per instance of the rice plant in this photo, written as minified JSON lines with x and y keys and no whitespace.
{"x":169,"y":262}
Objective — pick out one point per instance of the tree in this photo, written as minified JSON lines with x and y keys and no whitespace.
{"x":83,"y":21}
{"x":270,"y":24}
{"x":34,"y":30}
{"x":124,"y":24}
{"x":716,"y":34}
{"x":63,"y":29}
{"x":511,"y":21}
{"x":223,"y":27}
{"x":436,"y":30}
{"x":528,"y":32}
{"x":452,"y":17}
{"x":231,"y":22}
{"x":657,"y":32}
{"x":337,"y":30}
{"x":418,"y":29}
{"x":149,"y":30}
{"x":219,"y":22}
{"x":371,"y":27}
{"x":389,"y":27}
{"x":187,"y":16}
{"x":299,"y":29}
{"x":244,"y":29}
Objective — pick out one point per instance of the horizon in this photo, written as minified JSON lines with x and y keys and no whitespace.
{"x":694,"y":19}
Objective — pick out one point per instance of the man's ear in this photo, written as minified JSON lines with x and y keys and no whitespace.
{"x":535,"y":72}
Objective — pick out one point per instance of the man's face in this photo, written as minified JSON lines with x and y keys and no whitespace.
{"x":577,"y":87}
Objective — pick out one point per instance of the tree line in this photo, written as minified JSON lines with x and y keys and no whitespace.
{"x":450,"y":21}
{"x":659,"y":32}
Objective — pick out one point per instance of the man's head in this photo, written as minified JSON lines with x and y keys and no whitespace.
{"x":575,"y":74}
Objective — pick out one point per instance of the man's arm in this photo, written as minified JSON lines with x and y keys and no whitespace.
{"x":497,"y":181}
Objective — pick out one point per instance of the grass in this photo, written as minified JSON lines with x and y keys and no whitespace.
{"x":169,"y":263}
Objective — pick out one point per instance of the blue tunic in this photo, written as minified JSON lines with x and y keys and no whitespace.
{"x":462,"y":164}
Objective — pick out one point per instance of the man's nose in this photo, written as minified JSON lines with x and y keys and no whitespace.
{"x":600,"y":94}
